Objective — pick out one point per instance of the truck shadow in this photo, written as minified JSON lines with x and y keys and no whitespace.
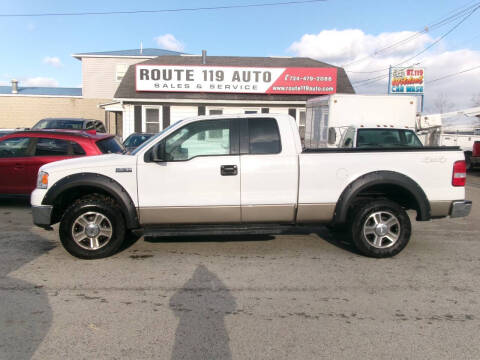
{"x":25,"y":312}
{"x":201,"y":306}
{"x":339,"y":239}
{"x":208,"y":238}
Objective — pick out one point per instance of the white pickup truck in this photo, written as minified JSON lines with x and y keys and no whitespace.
{"x":246,"y":174}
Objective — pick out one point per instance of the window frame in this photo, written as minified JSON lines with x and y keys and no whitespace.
{"x":144,"y":116}
{"x":245,"y":135}
{"x":234,"y":140}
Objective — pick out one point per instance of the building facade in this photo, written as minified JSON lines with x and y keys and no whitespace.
{"x":158,"y":92}
{"x":146,"y":90}
{"x":103,"y":71}
{"x":25,"y":106}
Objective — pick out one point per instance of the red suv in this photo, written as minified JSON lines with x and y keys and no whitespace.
{"x":22,"y":153}
{"x":475,"y":159}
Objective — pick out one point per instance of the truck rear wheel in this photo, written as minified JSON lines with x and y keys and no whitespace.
{"x":92,"y":228}
{"x":380,"y":228}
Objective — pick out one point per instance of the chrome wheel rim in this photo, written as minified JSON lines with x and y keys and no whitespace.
{"x":381,"y":229}
{"x":92,"y":230}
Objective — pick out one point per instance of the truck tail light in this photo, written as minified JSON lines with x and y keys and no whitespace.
{"x":459,"y":173}
{"x":476,"y":148}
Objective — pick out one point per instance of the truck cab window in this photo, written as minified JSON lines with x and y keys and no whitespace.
{"x":202,"y":138}
{"x":264,"y":136}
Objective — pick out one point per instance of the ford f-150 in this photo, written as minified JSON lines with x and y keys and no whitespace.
{"x":246,"y":174}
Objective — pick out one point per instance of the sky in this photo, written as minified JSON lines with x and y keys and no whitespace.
{"x":355,"y":34}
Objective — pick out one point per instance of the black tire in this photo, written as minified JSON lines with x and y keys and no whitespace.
{"x":393,"y":219}
{"x":88,"y":206}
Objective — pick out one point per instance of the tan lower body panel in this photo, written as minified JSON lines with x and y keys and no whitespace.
{"x":307,"y":213}
{"x":440,"y":208}
{"x":190,"y":215}
{"x":268,"y":213}
{"x":311,"y":213}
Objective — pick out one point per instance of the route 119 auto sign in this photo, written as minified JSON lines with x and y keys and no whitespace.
{"x":225,"y":79}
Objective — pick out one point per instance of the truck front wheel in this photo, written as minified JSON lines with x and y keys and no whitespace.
{"x":92,"y":228}
{"x":380,"y":228}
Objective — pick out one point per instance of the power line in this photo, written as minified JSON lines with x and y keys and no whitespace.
{"x":163,"y":10}
{"x":380,"y":77}
{"x":429,"y":46}
{"x":428,"y":28}
{"x":453,"y":74}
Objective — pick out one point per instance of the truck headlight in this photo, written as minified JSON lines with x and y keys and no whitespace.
{"x":42,"y":180}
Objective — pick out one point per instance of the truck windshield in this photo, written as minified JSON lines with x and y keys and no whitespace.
{"x":384,"y":137}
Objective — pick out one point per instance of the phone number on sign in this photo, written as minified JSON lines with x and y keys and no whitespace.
{"x":289,"y":77}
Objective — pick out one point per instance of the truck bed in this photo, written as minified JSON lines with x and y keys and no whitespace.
{"x":381,"y":149}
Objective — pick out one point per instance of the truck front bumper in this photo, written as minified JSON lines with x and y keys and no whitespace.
{"x":460,"y":208}
{"x":42,"y":215}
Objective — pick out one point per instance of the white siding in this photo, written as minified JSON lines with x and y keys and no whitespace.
{"x":178,"y":113}
{"x":128,"y":121}
{"x":279,"y":110}
{"x":98,"y":76}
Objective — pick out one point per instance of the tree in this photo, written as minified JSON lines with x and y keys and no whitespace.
{"x":475,"y":99}
{"x":442,"y":103}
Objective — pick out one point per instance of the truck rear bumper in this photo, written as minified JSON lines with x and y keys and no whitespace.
{"x":460,"y":208}
{"x":42,"y":215}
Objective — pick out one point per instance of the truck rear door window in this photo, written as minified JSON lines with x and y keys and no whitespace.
{"x":264,"y":136}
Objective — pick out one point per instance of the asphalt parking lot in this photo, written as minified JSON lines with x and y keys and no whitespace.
{"x":305,"y":296}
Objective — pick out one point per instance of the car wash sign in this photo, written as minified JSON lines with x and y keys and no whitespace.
{"x":242,"y":80}
{"x":406,"y":81}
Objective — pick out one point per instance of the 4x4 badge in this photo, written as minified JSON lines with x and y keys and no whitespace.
{"x":119,"y":170}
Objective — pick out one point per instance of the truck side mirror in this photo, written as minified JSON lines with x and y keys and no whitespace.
{"x":332,"y":136}
{"x":158,"y":152}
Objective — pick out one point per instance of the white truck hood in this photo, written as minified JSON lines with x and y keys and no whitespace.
{"x":88,"y":163}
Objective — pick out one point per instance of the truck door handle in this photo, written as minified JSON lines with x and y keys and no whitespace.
{"x":228,"y":170}
{"x":19,"y":166}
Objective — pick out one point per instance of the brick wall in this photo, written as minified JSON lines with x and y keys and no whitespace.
{"x":25,"y":111}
